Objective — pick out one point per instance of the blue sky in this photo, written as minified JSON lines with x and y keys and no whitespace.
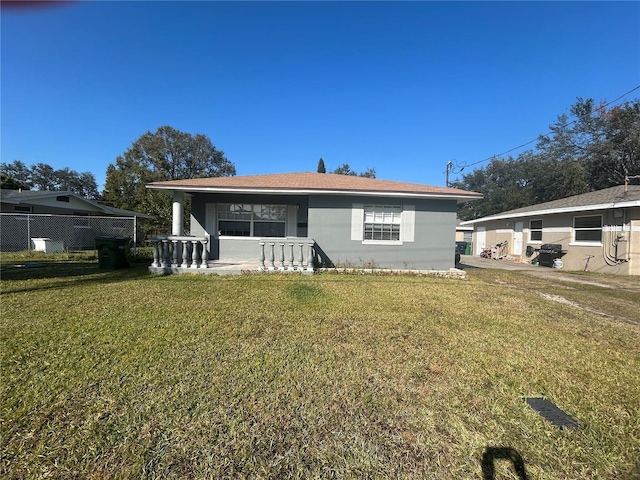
{"x":401,"y":87}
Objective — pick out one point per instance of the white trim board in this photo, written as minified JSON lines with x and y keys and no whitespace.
{"x":552,"y":211}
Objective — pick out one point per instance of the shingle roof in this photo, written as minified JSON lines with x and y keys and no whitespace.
{"x":307,"y":182}
{"x":612,"y":197}
{"x":17,"y":197}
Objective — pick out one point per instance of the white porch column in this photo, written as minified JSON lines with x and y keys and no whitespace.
{"x":178,"y":213}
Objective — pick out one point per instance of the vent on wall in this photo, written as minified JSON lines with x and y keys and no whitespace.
{"x":62,"y":198}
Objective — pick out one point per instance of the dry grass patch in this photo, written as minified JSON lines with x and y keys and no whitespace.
{"x":119,"y":374}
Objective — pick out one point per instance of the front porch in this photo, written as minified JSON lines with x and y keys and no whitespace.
{"x":190,"y":254}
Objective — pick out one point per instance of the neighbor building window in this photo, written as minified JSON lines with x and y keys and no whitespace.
{"x":382,"y":222}
{"x":248,"y":220}
{"x":535,"y":230}
{"x":587,"y":229}
{"x":80,"y":221}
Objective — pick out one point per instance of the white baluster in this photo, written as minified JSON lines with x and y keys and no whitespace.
{"x":291,"y":257}
{"x":281,"y":267}
{"x":205,"y":255}
{"x":310,"y":258}
{"x":301,"y":259}
{"x":272,"y":256}
{"x":176,"y":253}
{"x":185,"y":253}
{"x":165,"y":253}
{"x":262,"y":266}
{"x":156,"y":253}
{"x":194,"y":253}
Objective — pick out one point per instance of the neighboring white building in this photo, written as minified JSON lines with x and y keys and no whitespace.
{"x":603,"y":226}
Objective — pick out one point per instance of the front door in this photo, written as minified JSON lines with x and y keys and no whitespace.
{"x":517,"y":239}
{"x":481,"y":239}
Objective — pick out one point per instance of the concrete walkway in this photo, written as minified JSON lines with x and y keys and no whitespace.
{"x":469,"y":262}
{"x":476,"y":261}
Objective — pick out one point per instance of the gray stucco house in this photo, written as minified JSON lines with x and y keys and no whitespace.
{"x":298,"y":221}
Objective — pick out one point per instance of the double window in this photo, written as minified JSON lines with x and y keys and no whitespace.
{"x":248,"y":220}
{"x":382,"y":222}
{"x":535,"y":231}
{"x":587,"y":229}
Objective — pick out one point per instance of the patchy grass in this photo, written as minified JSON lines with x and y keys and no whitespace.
{"x":119,"y":374}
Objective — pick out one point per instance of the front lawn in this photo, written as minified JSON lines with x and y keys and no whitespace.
{"x":119,"y":374}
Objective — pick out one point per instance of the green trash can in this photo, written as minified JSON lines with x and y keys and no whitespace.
{"x":112,"y":252}
{"x":467,"y":251}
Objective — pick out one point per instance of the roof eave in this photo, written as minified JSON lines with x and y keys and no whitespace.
{"x":311,"y":191}
{"x":550,"y":211}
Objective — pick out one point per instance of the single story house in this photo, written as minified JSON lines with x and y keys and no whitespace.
{"x":602,"y":227}
{"x":298,"y":221}
{"x":57,"y":203}
{"x":62,"y":220}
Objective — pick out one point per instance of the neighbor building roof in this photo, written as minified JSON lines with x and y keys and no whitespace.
{"x":31,"y":197}
{"x":613,"y":197}
{"x":307,"y":182}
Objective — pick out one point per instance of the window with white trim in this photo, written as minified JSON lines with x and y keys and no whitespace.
{"x":535,"y":230}
{"x":587,"y":229}
{"x":248,"y":220}
{"x":382,"y":222}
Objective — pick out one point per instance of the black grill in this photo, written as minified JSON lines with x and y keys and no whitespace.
{"x":548,"y":253}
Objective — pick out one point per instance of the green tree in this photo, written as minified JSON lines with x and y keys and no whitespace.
{"x":10,"y":183}
{"x":345,"y":169}
{"x":321,"y":167}
{"x":167,"y":154}
{"x":504,"y":184}
{"x":17,"y":170}
{"x":596,"y":150}
{"x":42,"y":176}
{"x":605,"y":141}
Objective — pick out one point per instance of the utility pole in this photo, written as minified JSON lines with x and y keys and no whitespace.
{"x":449,"y":168}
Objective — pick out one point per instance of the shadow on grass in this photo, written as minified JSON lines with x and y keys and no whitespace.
{"x":491,"y":454}
{"x":69,"y":273}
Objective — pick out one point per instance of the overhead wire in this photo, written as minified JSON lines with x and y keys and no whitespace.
{"x":461,"y":167}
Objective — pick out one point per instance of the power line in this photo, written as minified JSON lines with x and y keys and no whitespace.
{"x":601,"y":107}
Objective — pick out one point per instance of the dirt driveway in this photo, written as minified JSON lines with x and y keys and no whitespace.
{"x":468,"y":262}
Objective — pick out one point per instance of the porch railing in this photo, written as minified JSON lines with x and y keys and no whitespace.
{"x":179,"y":251}
{"x":287,"y":255}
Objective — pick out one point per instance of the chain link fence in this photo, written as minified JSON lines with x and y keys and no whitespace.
{"x":27,"y":231}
